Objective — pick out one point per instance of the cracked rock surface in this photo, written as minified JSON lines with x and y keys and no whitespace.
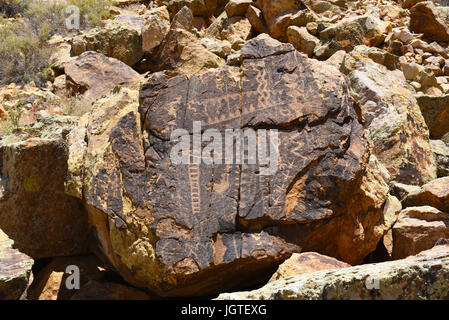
{"x":190,"y":229}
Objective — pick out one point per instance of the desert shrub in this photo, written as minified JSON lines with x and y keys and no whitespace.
{"x":24,"y":55}
{"x":12,"y":7}
{"x":24,"y":49}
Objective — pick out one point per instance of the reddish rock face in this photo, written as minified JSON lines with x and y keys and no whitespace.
{"x":186,"y":230}
{"x":425,"y":18}
{"x":418,"y":229}
{"x":93,"y":74}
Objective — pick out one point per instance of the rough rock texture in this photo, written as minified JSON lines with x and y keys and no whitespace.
{"x":255,"y":17}
{"x":117,"y":39}
{"x":362,"y":56}
{"x":50,"y":282}
{"x":427,"y":19}
{"x":422,"y":277}
{"x":105,"y":290}
{"x":191,"y":229}
{"x":306,"y":262}
{"x":156,"y":27}
{"x":351,"y":32}
{"x":434,"y":193}
{"x":418,"y":229}
{"x":15,"y":270}
{"x":435,"y":110}
{"x":34,"y":210}
{"x":199,"y":7}
{"x":441,"y":153}
{"x":395,"y":124}
{"x":302,"y":40}
{"x":278,"y":15}
{"x":93,"y":75}
{"x":182,"y":51}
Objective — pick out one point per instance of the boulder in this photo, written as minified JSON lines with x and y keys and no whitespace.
{"x":156,"y":27}
{"x":205,"y":8}
{"x":395,"y":124}
{"x":237,"y":7}
{"x":435,"y":110}
{"x":255,"y":17}
{"x":278,"y":15}
{"x":306,"y":262}
{"x":189,"y":230}
{"x":183,"y":52}
{"x":360,"y":57}
{"x":394,"y":280}
{"x":350,"y":32}
{"x":429,"y":20}
{"x":401,"y":191}
{"x":15,"y":270}
{"x":237,"y":31}
{"x":418,"y":229}
{"x":50,"y":282}
{"x":434,"y":193}
{"x":93,"y":75}
{"x":302,"y":40}
{"x":441,"y":153}
{"x":34,"y":210}
{"x":117,"y":39}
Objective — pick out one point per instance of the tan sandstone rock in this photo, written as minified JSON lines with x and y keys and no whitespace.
{"x":15,"y":270}
{"x":424,"y":276}
{"x":395,"y":124}
{"x":306,"y":262}
{"x":34,"y":210}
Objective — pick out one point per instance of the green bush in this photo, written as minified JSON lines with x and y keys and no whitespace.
{"x":24,"y":49}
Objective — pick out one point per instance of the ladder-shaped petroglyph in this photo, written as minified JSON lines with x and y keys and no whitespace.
{"x":195,"y":192}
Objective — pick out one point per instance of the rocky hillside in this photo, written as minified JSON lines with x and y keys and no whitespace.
{"x":355,"y":205}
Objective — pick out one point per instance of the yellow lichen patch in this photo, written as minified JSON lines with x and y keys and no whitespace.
{"x":32,"y":183}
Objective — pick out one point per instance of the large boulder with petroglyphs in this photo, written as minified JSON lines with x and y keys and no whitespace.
{"x":177,"y":226}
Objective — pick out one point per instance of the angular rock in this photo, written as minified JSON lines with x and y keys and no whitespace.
{"x":157,"y":25}
{"x":186,"y":230}
{"x":418,"y":229}
{"x":278,"y":15}
{"x":50,"y":282}
{"x":182,"y":52}
{"x":401,"y":191}
{"x":350,"y":32}
{"x":434,"y":193}
{"x":307,"y":262}
{"x":362,"y":56}
{"x":237,"y":31}
{"x":441,"y":153}
{"x":302,"y":40}
{"x":204,"y":8}
{"x":435,"y":110}
{"x":93,"y":75}
{"x":424,"y":276}
{"x":117,"y":39}
{"x":34,"y":210}
{"x":255,"y":17}
{"x":15,"y":270}
{"x":237,"y":7}
{"x":427,"y":19}
{"x":395,"y":124}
